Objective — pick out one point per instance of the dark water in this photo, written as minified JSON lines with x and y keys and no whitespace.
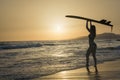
{"x":32,"y":59}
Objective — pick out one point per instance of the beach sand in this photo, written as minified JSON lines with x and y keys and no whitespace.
{"x":107,"y":71}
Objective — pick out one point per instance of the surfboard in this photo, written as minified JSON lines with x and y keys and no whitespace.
{"x":103,"y":21}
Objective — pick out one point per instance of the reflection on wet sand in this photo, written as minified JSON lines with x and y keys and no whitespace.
{"x":94,"y":76}
{"x":78,"y":74}
{"x":107,"y":71}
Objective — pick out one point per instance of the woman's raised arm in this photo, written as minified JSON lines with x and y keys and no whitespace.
{"x":87,"y":26}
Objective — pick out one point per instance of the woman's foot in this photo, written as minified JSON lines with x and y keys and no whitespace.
{"x":88,"y":69}
{"x":96,"y":70}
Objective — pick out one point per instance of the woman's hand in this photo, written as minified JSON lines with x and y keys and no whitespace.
{"x":90,"y":23}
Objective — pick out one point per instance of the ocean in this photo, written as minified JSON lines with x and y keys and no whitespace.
{"x":27,"y":60}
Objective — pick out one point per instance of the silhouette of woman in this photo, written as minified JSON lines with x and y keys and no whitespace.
{"x":92,"y":46}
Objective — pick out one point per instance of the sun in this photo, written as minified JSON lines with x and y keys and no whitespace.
{"x":59,"y":29}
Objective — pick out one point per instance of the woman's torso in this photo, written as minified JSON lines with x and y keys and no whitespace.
{"x":91,"y":39}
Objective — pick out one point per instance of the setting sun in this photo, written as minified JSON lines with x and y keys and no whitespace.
{"x":59,"y":29}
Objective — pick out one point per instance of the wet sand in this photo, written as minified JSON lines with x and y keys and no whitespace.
{"x":107,"y":71}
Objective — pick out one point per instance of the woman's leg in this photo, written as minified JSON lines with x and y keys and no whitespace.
{"x":94,"y":57}
{"x":87,"y":59}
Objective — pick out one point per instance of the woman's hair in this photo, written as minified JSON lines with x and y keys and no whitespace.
{"x":93,"y":30}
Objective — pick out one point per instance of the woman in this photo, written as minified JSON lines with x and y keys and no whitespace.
{"x":92,"y":46}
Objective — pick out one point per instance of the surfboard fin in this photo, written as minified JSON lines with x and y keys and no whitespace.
{"x":103,"y":21}
{"x":108,"y":22}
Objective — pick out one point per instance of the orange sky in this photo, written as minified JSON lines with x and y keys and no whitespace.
{"x":45,"y":19}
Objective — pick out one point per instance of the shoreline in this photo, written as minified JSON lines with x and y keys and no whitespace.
{"x":106,"y":70}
